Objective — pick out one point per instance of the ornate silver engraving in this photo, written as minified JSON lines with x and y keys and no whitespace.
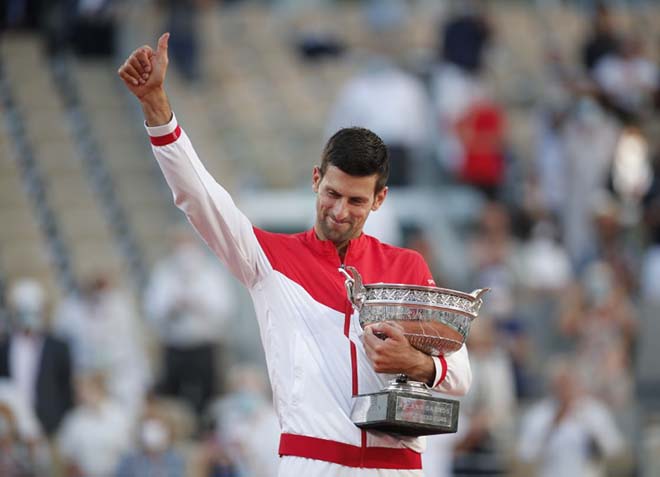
{"x":435,"y":320}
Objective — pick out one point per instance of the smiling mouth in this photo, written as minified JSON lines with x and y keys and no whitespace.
{"x":336,"y":222}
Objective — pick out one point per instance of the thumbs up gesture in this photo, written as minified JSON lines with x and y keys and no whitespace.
{"x":144,"y":70}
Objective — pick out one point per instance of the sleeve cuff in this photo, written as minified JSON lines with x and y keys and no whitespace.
{"x":440,"y":370}
{"x":164,"y":134}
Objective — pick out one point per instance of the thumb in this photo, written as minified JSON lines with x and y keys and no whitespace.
{"x":161,"y":50}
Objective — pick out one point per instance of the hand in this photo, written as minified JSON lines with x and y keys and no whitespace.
{"x":144,"y":70}
{"x":390,"y":352}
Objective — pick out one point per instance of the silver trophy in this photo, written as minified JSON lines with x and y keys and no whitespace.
{"x":436,"y":321}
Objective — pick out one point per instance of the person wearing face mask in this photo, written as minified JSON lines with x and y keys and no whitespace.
{"x":156,"y":455}
{"x":38,"y":363}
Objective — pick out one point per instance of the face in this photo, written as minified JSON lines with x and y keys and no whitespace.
{"x":343,"y":203}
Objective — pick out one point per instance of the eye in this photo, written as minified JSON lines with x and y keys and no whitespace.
{"x":333,"y":194}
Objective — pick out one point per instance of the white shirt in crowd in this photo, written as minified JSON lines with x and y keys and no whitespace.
{"x":106,"y":336}
{"x":27,"y":424}
{"x":95,"y":438}
{"x":566,"y":448}
{"x":388,"y":101}
{"x":190,"y":299}
{"x":24,"y":357}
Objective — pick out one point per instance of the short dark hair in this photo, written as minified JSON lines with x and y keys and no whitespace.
{"x":357,"y":152}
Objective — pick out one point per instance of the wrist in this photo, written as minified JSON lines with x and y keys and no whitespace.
{"x":156,"y":108}
{"x":423,"y":370}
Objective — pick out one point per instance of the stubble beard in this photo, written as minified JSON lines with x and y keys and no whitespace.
{"x":334,"y":235}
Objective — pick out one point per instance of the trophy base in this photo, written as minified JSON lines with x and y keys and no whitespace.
{"x":405,"y":412}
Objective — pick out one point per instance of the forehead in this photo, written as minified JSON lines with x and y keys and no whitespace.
{"x":346,"y":184}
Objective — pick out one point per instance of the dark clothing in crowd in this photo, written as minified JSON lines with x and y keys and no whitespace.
{"x":463,"y":41}
{"x":190,"y":374}
{"x":53,"y":392}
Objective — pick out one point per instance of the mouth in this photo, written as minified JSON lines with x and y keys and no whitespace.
{"x":337,"y":223}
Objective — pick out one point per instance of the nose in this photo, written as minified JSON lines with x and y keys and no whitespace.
{"x":340,"y":210}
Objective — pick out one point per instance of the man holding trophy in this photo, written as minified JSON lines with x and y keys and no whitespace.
{"x":327,"y":362}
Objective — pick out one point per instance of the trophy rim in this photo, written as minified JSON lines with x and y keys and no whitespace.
{"x":422,"y":305}
{"x":445,"y":291}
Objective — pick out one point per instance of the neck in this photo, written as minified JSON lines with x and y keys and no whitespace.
{"x":341,"y":247}
{"x":341,"y":250}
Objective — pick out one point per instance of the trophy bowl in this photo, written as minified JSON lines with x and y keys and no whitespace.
{"x":435,"y":320}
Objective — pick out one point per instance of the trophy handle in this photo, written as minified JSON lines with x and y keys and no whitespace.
{"x":354,"y":289}
{"x":477,"y":294}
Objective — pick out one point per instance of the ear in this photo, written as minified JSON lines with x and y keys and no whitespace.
{"x":316,"y":178}
{"x":379,"y":199}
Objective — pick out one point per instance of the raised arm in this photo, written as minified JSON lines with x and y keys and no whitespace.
{"x":207,"y":205}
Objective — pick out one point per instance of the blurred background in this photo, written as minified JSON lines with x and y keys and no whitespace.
{"x":524,"y":146}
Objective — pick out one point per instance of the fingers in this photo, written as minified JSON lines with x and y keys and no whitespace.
{"x":144,"y":55}
{"x":142,"y":75}
{"x":129,"y":74}
{"x":161,"y":51}
{"x":385,"y":330}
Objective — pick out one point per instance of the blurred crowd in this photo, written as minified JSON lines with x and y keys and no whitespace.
{"x":567,"y":240}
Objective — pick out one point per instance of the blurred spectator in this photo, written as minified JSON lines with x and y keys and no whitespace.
{"x":184,"y":26}
{"x":493,"y":253}
{"x":156,"y":456}
{"x":569,"y":432}
{"x":215,"y":460}
{"x":190,"y":302}
{"x":18,"y":458}
{"x":419,"y":240}
{"x":545,"y":264}
{"x":627,"y":78}
{"x":550,"y":164}
{"x":38,"y":363}
{"x":611,"y":240}
{"x":601,"y":319}
{"x":452,"y":93}
{"x":489,"y":406}
{"x":393,"y":104}
{"x":603,"y":40}
{"x":102,"y":325}
{"x":471,"y":124}
{"x":27,"y":424}
{"x":94,"y":434}
{"x":650,"y":273}
{"x":247,"y":423}
{"x":94,"y":30}
{"x":465,"y":36}
{"x":588,"y":140}
{"x":481,"y":131}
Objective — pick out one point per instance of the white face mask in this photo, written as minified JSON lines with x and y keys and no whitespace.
{"x":154,"y":435}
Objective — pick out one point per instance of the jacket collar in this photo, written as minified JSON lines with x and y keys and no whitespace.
{"x":326,"y":247}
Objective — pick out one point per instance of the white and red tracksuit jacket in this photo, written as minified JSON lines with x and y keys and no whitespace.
{"x":311,"y":337}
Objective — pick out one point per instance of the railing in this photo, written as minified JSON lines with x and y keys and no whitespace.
{"x":35,"y":185}
{"x":94,"y":164}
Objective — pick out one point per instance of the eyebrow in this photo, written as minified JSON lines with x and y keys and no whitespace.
{"x":353,"y":198}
